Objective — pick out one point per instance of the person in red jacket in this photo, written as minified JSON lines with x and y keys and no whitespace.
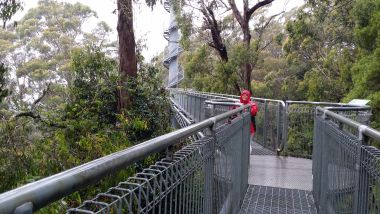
{"x":245,"y":98}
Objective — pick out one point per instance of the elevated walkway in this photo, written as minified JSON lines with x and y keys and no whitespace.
{"x":207,"y":167}
{"x":278,"y":184}
{"x":278,"y":171}
{"x":268,"y":200}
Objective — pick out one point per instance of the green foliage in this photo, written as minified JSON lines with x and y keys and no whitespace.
{"x":150,"y":111}
{"x":205,"y":73}
{"x":87,"y":129}
{"x":62,"y":110}
{"x":325,"y":51}
{"x":8,"y":8}
{"x":198,"y":67}
{"x":38,"y":51}
{"x":185,"y":25}
{"x":184,"y":21}
{"x":366,"y":71}
{"x":367,"y":17}
{"x":319,"y":50}
{"x":93,"y":92}
{"x":3,"y":91}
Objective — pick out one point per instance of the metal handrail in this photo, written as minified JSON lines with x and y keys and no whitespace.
{"x":232,"y":97}
{"x":223,"y":103}
{"x":179,"y":110}
{"x":40,"y":193}
{"x":320,"y":103}
{"x":345,"y":108}
{"x":363,"y":129}
{"x":235,"y":97}
{"x":226,"y":98}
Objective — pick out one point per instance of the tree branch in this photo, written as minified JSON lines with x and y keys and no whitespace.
{"x":236,"y":12}
{"x":44,"y":92}
{"x":263,"y":27}
{"x":37,"y":117}
{"x":212,"y":24}
{"x":257,"y":6}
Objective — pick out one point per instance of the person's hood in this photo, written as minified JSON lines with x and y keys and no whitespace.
{"x":248,"y":94}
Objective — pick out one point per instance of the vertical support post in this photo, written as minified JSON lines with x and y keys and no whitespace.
{"x":201,"y":109}
{"x":26,"y":208}
{"x":278,"y":130}
{"x":191,"y":109}
{"x":285,"y":113}
{"x":195,"y":109}
{"x":187,"y":102}
{"x":361,"y":180}
{"x":265,"y":123}
{"x":209,"y":174}
{"x":246,"y":140}
{"x":181,"y":99}
{"x":324,"y":176}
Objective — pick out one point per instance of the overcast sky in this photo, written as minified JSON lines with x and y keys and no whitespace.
{"x":148,"y":24}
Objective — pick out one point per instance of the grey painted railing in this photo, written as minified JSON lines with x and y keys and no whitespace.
{"x":282,"y":126}
{"x":300,"y":123}
{"x":208,"y":175}
{"x":346,"y":168}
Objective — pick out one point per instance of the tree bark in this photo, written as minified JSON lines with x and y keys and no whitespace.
{"x":212,"y":24}
{"x":243,"y":20}
{"x":127,"y":51}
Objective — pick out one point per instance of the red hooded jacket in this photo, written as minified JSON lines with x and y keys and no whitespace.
{"x":254,"y":108}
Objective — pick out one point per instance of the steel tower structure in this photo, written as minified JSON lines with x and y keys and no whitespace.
{"x":171,"y":60}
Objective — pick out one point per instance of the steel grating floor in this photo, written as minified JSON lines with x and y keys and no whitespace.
{"x":264,"y":199}
{"x":258,"y":149}
{"x":282,"y":172}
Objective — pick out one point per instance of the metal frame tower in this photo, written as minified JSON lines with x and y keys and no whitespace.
{"x":171,"y":60}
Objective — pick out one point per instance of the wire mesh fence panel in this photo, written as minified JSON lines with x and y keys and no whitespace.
{"x":369,"y":190}
{"x":346,"y":172}
{"x":259,"y":120}
{"x":300,"y":130}
{"x":209,"y":175}
{"x":334,"y":173}
{"x":269,"y":124}
{"x":300,"y":120}
{"x":231,"y":164}
{"x":173,"y":185}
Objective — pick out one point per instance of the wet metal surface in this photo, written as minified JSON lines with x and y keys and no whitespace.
{"x":282,"y":172}
{"x":258,"y":149}
{"x":263,"y":199}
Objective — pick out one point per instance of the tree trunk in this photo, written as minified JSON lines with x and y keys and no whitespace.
{"x":127,"y":51}
{"x":212,"y":24}
{"x":243,"y":20}
{"x":248,"y":66}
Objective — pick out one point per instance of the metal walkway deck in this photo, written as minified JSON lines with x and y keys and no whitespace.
{"x":263,"y":200}
{"x":278,"y":184}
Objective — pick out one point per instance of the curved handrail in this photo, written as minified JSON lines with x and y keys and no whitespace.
{"x":363,"y":129}
{"x":40,"y":193}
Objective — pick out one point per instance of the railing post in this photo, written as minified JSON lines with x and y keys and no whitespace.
{"x":246,"y":141}
{"x":200,"y":107}
{"x":265,"y":123}
{"x":187,"y":102}
{"x":285,"y":123}
{"x":26,"y":208}
{"x":209,"y":175}
{"x":324,"y":161}
{"x":361,"y":180}
{"x":181,"y":99}
{"x":278,"y":122}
